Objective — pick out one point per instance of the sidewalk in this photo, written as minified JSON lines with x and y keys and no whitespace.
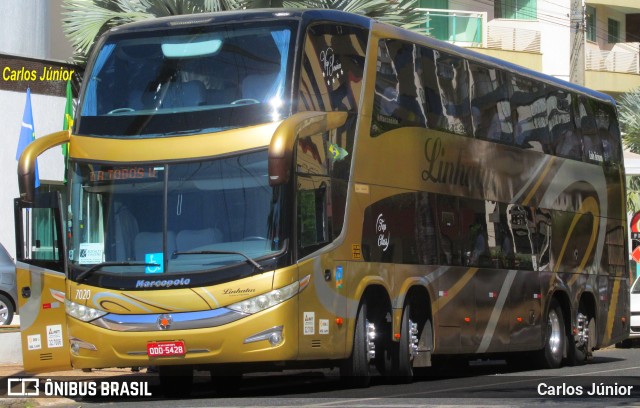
{"x":11,"y":367}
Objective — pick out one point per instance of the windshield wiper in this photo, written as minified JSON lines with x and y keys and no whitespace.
{"x":247,"y":258}
{"x":84,"y":275}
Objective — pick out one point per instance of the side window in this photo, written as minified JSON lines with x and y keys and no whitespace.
{"x":564,"y":137}
{"x":490,"y":105}
{"x":332,"y":68}
{"x":448,"y":222}
{"x":399,"y":95}
{"x":520,"y":234}
{"x":529,"y":105}
{"x":592,"y":143}
{"x":609,"y":134}
{"x":542,"y":238}
{"x":314,"y":194}
{"x":475,"y":232}
{"x":452,"y":84}
{"x":312,"y":212}
{"x":39,"y":237}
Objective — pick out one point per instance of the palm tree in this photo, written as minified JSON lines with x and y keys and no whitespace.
{"x":628,"y":109}
{"x":84,"y":20}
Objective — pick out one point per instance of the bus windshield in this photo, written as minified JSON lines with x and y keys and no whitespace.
{"x":187,"y":81}
{"x":155,"y":220}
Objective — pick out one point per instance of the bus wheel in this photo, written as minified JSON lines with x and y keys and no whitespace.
{"x":407,"y":348}
{"x":354,"y":371}
{"x":551,"y":355}
{"x":176,"y":381}
{"x":584,"y":340}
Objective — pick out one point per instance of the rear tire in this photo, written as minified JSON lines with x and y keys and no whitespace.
{"x":405,"y":349}
{"x":581,"y":355}
{"x":6,"y":311}
{"x":555,"y":337}
{"x":355,"y":372}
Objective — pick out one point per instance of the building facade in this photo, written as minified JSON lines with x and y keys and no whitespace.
{"x":31,"y":44}
{"x":594,"y":43}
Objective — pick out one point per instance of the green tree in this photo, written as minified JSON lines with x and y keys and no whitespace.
{"x":85,"y":20}
{"x":629,"y":114}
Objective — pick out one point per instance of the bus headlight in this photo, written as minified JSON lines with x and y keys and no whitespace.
{"x":82,"y":312}
{"x":259,"y":303}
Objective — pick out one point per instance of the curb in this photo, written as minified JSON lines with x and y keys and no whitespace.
{"x":11,"y":347}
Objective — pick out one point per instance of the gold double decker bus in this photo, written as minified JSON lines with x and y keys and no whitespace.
{"x":280,"y":189}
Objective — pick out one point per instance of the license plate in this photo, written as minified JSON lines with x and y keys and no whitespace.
{"x":166,"y":348}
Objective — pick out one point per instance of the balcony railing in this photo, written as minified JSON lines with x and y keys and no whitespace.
{"x":613,"y":61}
{"x":470,"y":29}
{"x":513,"y":39}
{"x":459,"y":27}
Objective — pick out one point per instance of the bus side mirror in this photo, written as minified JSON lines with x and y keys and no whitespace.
{"x":27,"y":162}
{"x":302,"y":124}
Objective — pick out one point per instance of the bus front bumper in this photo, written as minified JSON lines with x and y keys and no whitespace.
{"x":267,"y":336}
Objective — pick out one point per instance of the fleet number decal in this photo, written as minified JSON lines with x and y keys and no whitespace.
{"x":83,"y":294}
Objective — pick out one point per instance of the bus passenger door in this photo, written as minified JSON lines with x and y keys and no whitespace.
{"x":323,"y":301}
{"x":40,"y":266}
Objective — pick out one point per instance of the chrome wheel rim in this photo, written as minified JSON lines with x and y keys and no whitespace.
{"x":4,"y":313}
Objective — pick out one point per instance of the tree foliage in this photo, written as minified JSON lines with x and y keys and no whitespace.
{"x":85,"y":20}
{"x":629,"y":115}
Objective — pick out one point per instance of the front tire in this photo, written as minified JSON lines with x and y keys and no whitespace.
{"x":555,"y":339}
{"x":355,"y":371}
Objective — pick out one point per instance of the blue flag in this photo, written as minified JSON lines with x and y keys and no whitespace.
{"x":27,"y":132}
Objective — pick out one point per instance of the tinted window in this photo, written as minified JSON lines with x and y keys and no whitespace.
{"x":452,"y":81}
{"x":188,"y":80}
{"x":565,"y":139}
{"x":490,"y":105}
{"x":609,"y":132}
{"x":529,"y":104}
{"x":332,"y":68}
{"x":592,"y":143}
{"x":399,"y":95}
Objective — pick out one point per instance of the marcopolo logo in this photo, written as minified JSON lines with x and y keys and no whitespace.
{"x":165,"y":283}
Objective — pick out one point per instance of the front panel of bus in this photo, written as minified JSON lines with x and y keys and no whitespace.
{"x":172,"y":250}
{"x":180,"y":249}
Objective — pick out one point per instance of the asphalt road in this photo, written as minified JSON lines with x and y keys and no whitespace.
{"x":614,"y":372}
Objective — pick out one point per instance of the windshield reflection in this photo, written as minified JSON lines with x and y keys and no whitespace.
{"x":173,"y":218}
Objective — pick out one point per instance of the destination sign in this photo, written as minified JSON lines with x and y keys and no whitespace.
{"x":126,"y":173}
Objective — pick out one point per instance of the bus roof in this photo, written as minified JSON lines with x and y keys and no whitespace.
{"x":307,"y":15}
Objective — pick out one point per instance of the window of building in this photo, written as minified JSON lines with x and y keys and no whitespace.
{"x":591,"y":23}
{"x":613,"y":31}
{"x":516,"y":9}
{"x":434,"y":4}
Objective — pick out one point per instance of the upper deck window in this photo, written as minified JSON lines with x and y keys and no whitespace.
{"x":188,"y":80}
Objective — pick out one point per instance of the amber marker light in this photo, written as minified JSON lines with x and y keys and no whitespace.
{"x":339,"y":321}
